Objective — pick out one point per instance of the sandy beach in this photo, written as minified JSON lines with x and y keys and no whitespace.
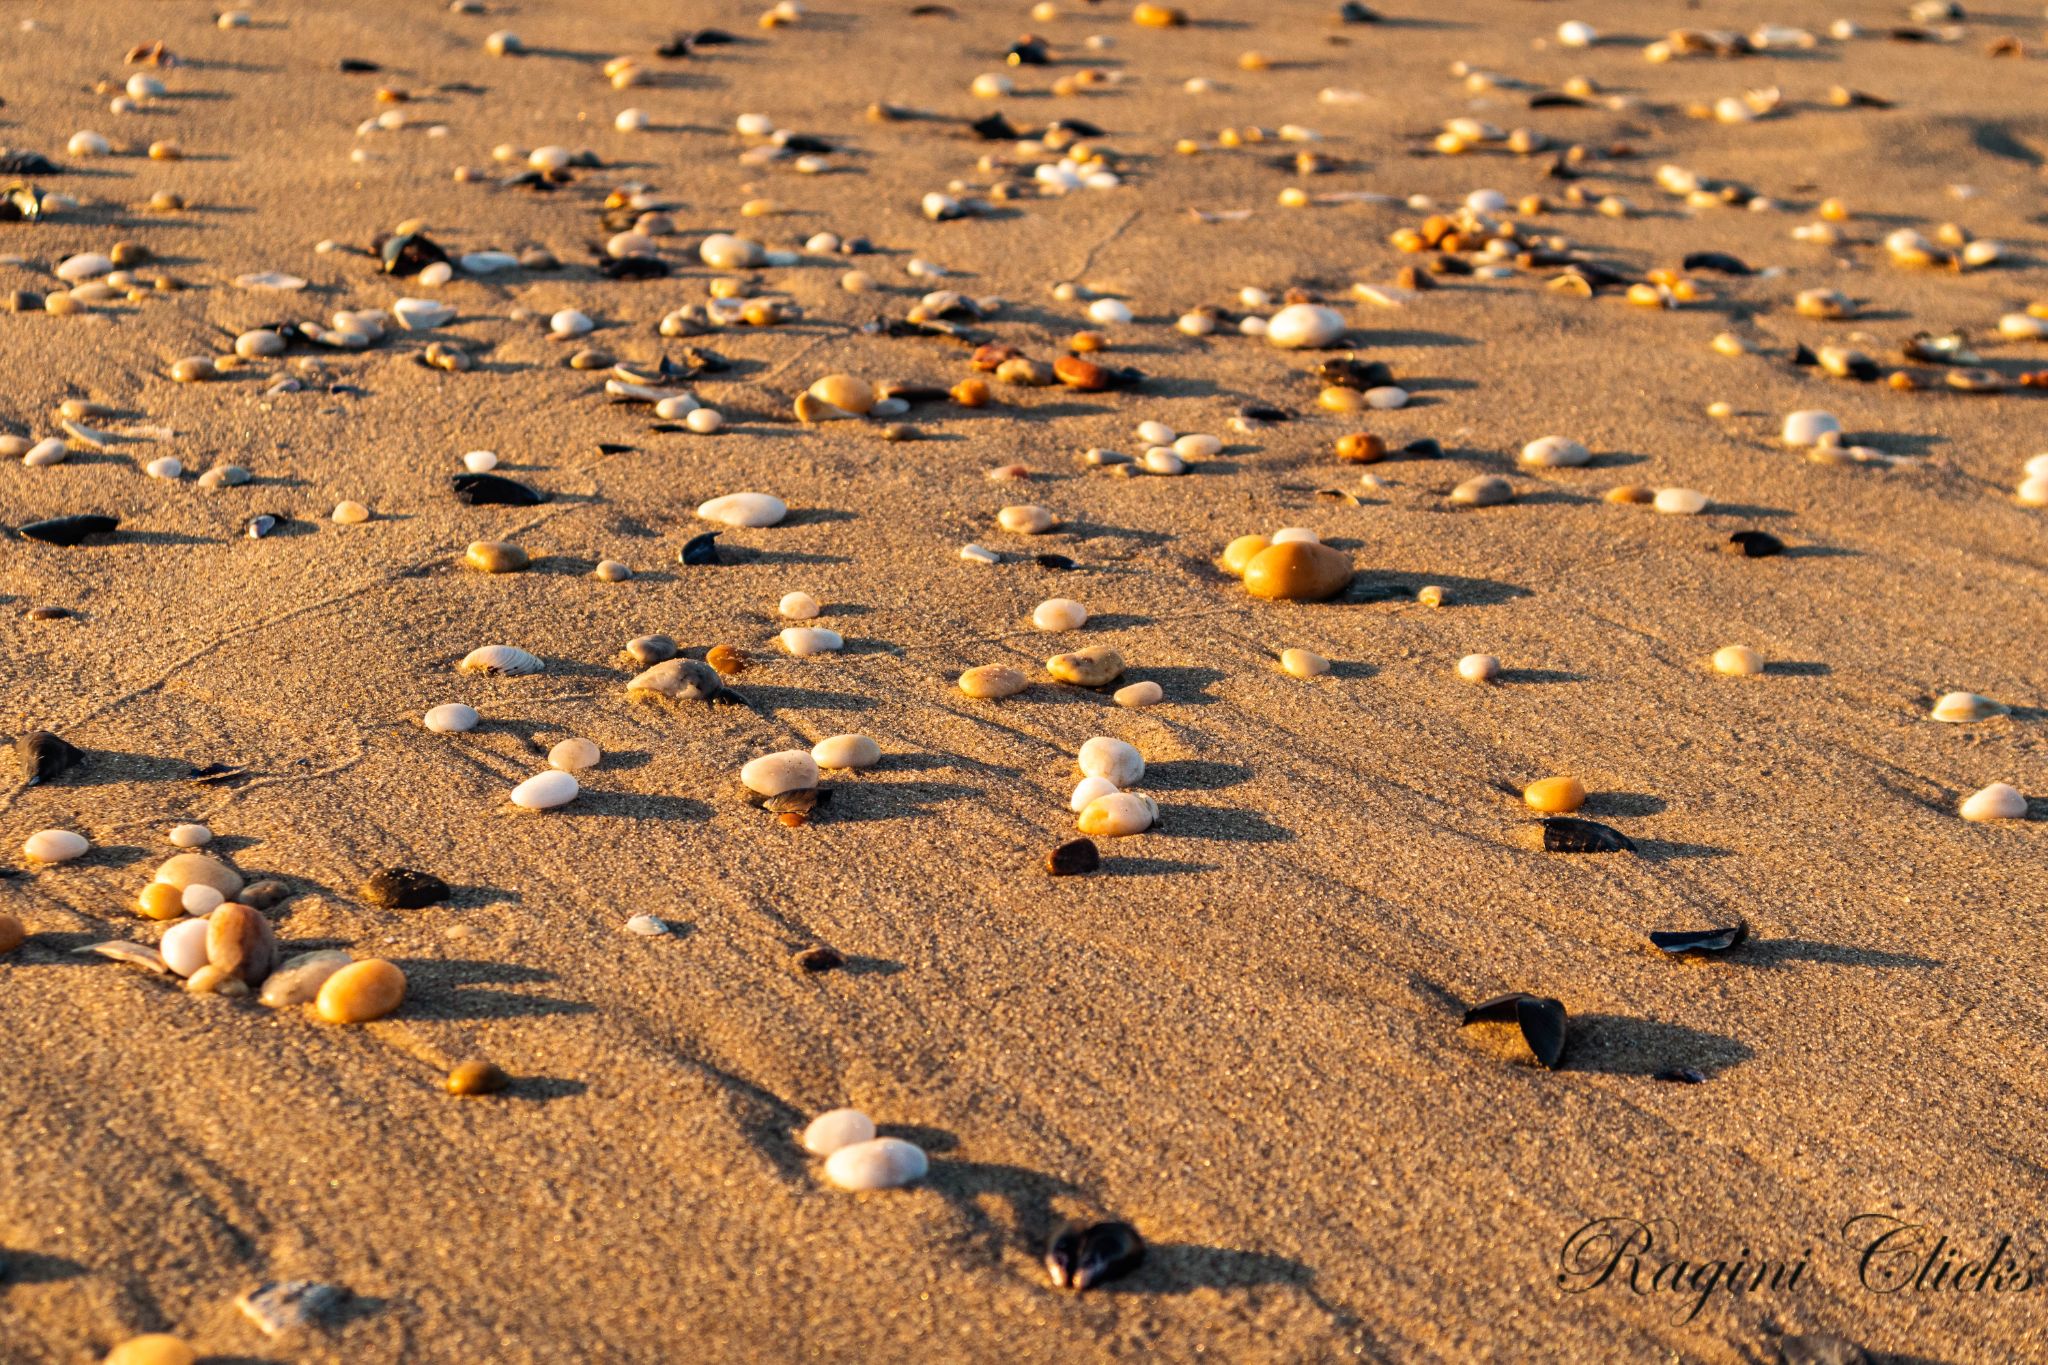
{"x":1241,"y":1034}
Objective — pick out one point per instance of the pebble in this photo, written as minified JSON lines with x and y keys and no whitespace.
{"x":45,"y":453}
{"x":1087,"y":789}
{"x":184,"y":870}
{"x":786,"y":771}
{"x":1486,"y":490}
{"x":677,"y":680}
{"x":1555,"y":452}
{"x":1304,"y":663}
{"x":153,"y":1348}
{"x":1305,"y":326}
{"x":611,"y":571}
{"x":1059,"y":613}
{"x":351,"y":513}
{"x":1810,"y":427}
{"x":1479,"y":668}
{"x":450,"y":718}
{"x":404,"y":888}
{"x":723,"y":251}
{"x":1139,"y":694}
{"x":480,"y":461}
{"x":13,"y":933}
{"x":496,"y":556}
{"x":1119,"y":814}
{"x":545,"y":791}
{"x":1074,"y":858}
{"x":647,"y":926}
{"x":803,"y":641}
{"x":1026,"y":519}
{"x":1096,"y":666}
{"x":574,"y":755}
{"x":990,"y":681}
{"x":297,"y":980}
{"x":1679,"y":502}
{"x":877,"y":1164}
{"x":846,"y":751}
{"x":184,"y":946}
{"x":1999,"y":801}
{"x":55,"y":846}
{"x":797,"y":606}
{"x":1297,"y":571}
{"x":1555,"y":795}
{"x":475,"y":1077}
{"x":500,"y":661}
{"x":361,"y":992}
{"x":160,"y":902}
{"x":646,"y":650}
{"x":200,"y":900}
{"x":1738,"y":661}
{"x":571,"y":323}
{"x":1961,"y":708}
{"x":835,"y":1129}
{"x":744,"y":509}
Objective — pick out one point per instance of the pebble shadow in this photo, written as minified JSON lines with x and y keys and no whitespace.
{"x":1619,"y":1045}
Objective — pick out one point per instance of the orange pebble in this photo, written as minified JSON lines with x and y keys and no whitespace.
{"x":1555,"y":795}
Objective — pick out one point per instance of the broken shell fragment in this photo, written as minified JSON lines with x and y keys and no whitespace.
{"x":1961,"y":708}
{"x":1541,"y":1020}
{"x":1999,"y":801}
{"x":1079,"y":1258}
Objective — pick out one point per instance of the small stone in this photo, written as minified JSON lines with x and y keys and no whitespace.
{"x":404,"y":888}
{"x":1738,"y":661}
{"x":1555,"y":452}
{"x":1074,"y":858}
{"x":1961,"y":708}
{"x":154,"y":1348}
{"x":184,"y":870}
{"x":160,"y":902}
{"x":1486,"y":490}
{"x":729,"y":662}
{"x":804,"y":641}
{"x":184,"y":947}
{"x":1096,"y":666}
{"x":798,"y":606}
{"x":817,"y":958}
{"x":1810,"y":427}
{"x":13,"y":933}
{"x":1238,"y":554}
{"x":55,"y":846}
{"x":351,"y":513}
{"x":1026,"y":519}
{"x":1119,"y":814}
{"x":450,"y":718}
{"x":496,"y":556}
{"x":1297,"y":571}
{"x":1999,"y":801}
{"x":265,"y":894}
{"x":837,"y":1128}
{"x":1555,"y":795}
{"x":1305,"y":326}
{"x":1139,"y":694}
{"x":611,"y":571}
{"x":1059,"y":613}
{"x":500,"y":661}
{"x":297,"y":980}
{"x":1087,"y":789}
{"x":200,"y":900}
{"x":677,"y":680}
{"x":475,"y":1077}
{"x":240,"y":943}
{"x":877,"y":1164}
{"x":1304,"y":663}
{"x":845,"y":392}
{"x":723,"y":251}
{"x":545,"y":791}
{"x":1112,"y":760}
{"x":194,"y":370}
{"x":990,"y":681}
{"x":574,"y":755}
{"x":647,"y":926}
{"x":744,"y":509}
{"x":1679,"y":502}
{"x":786,"y":771}
{"x":846,"y":751}
{"x":360,"y":992}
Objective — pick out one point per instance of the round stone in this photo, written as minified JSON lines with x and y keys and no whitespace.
{"x":450,"y":718}
{"x":846,"y":751}
{"x":1555,"y":452}
{"x":184,"y":870}
{"x":992,"y":680}
{"x":1738,"y":661}
{"x":1087,"y":789}
{"x":1810,"y":427}
{"x":13,"y":933}
{"x":845,"y":392}
{"x":200,"y":900}
{"x":161,"y":902}
{"x":1555,"y":795}
{"x":1059,"y":613}
{"x":360,"y":992}
{"x":744,"y":509}
{"x":196,"y":369}
{"x":1240,"y":552}
{"x":475,"y":1077}
{"x":545,"y":791}
{"x":184,"y":946}
{"x":1679,"y":502}
{"x":1197,"y":445}
{"x":1297,"y":571}
{"x":1139,"y":694}
{"x":1027,"y":519}
{"x":723,"y":251}
{"x":55,"y":846}
{"x":877,"y":1164}
{"x":1118,"y":814}
{"x":804,"y":641}
{"x":798,"y":606}
{"x":574,"y":755}
{"x":1999,"y":801}
{"x":496,"y":556}
{"x":786,"y":771}
{"x":611,"y":571}
{"x":1305,"y":326}
{"x":1304,"y":663}
{"x":570,"y":323}
{"x":351,"y":513}
{"x":1096,"y":666}
{"x":837,"y":1128}
{"x":1113,"y":760}
{"x":704,"y":421}
{"x":154,"y":1348}
{"x":1485,"y":490}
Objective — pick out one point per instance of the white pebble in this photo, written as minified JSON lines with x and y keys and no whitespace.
{"x":677,"y":405}
{"x":49,"y":451}
{"x":480,"y":461}
{"x":1289,"y":534}
{"x":1059,"y":613}
{"x":846,"y":751}
{"x":788,"y":770}
{"x":190,"y":836}
{"x":1679,"y":502}
{"x":165,"y":467}
{"x":1119,"y":814}
{"x":1198,"y":446}
{"x":724,"y":251}
{"x":632,"y":121}
{"x":201,"y":900}
{"x":835,"y":1129}
{"x":545,"y":791}
{"x":1810,"y":427}
{"x":745,"y":509}
{"x":1087,"y":789}
{"x":753,"y":125}
{"x":450,"y":718}
{"x":1156,"y":433}
{"x":88,"y":144}
{"x":1478,"y":668}
{"x":184,"y":946}
{"x":1305,"y":326}
{"x":1140,"y":694}
{"x":1738,"y":661}
{"x":804,"y":641}
{"x":1386,"y":397}
{"x":1109,"y":311}
{"x":647,"y":926}
{"x":1573,"y":33}
{"x":1999,"y":801}
{"x":978,"y":555}
{"x":570,"y":323}
{"x":55,"y":845}
{"x":1555,"y":452}
{"x":87,"y":265}
{"x":1304,"y":663}
{"x":574,"y":755}
{"x":1113,"y":760}
{"x":798,"y":606}
{"x":704,"y":421}
{"x":877,"y":1164}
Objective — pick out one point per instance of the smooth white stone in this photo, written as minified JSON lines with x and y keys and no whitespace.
{"x":723,"y":251}
{"x":2036,"y":467}
{"x":165,"y":467}
{"x":705,"y":421}
{"x":754,"y":125}
{"x":1573,"y":33}
{"x":86,"y":265}
{"x":190,"y":836}
{"x":435,"y":275}
{"x":1140,"y":694}
{"x":1305,"y":326}
{"x":504,"y":660}
{"x":676,"y":405}
{"x":1198,"y":446}
{"x":421,"y":315}
{"x":48,"y":451}
{"x":1386,"y":397}
{"x":846,"y":751}
{"x":647,"y":926}
{"x":1059,"y":613}
{"x":201,"y":900}
{"x":1119,"y":814}
{"x":570,"y":323}
{"x":450,"y":718}
{"x":1304,"y":663}
{"x":979,"y":555}
{"x":1810,"y":426}
{"x":745,"y":509}
{"x":88,"y":144}
{"x":877,"y":1164}
{"x":545,"y":791}
{"x":1478,"y":668}
{"x":55,"y":845}
{"x":1555,"y":452}
{"x":1287,"y":534}
{"x":480,"y":461}
{"x":1111,"y":311}
{"x":487,"y":262}
{"x":2033,"y":492}
{"x":1113,"y":759}
{"x":837,"y":1128}
{"x":1087,"y":789}
{"x":804,"y":641}
{"x":788,"y":770}
{"x":1679,"y":502}
{"x":1156,"y":433}
{"x":574,"y":755}
{"x":798,"y":606}
{"x":1999,"y":801}
{"x":184,"y":946}
{"x":1162,"y":460}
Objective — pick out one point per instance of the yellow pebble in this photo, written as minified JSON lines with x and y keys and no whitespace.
{"x":476,"y":1077}
{"x":161,"y":900}
{"x":1303,"y":663}
{"x":1738,"y":661}
{"x":361,"y":991}
{"x":1555,"y":795}
{"x":1239,"y":552}
{"x":157,"y":1348}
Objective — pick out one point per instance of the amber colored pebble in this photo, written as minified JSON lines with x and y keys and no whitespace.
{"x":1239,"y":552}
{"x":476,"y":1077}
{"x":1360,"y":447}
{"x":361,"y":991}
{"x":161,"y":900}
{"x":727,"y":660}
{"x":1555,"y":795}
{"x":156,"y":1348}
{"x":1297,"y":571}
{"x":12,"y":933}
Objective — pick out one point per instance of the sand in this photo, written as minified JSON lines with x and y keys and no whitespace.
{"x":1241,"y":1035}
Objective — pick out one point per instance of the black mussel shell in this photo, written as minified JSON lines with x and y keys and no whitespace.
{"x":44,"y":756}
{"x":1074,"y":858}
{"x":1567,"y":834}
{"x":1541,"y":1019}
{"x":1681,"y":1075}
{"x":817,"y":958}
{"x":1355,"y":13}
{"x":612,"y":447}
{"x":1701,"y":940}
{"x":408,"y":253}
{"x":698,"y":550}
{"x":807,"y":144}
{"x":633,"y":268}
{"x":215,"y":772}
{"x":1753,"y":545}
{"x":1059,"y":562}
{"x":494,"y":490}
{"x":404,"y":888}
{"x":358,"y":65}
{"x":70,"y":530}
{"x":1718,"y":261}
{"x":1079,"y":1258}
{"x":933,"y":12}
{"x":1555,"y":99}
{"x":711,"y":37}
{"x":1355,"y":374}
{"x":1803,"y":356}
{"x":27,"y":163}
{"x":995,"y":128}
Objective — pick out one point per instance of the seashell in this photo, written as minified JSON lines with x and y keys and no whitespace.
{"x":44,"y":756}
{"x":55,"y":846}
{"x":804,"y":641}
{"x":450,"y":718}
{"x":281,"y":1306}
{"x":493,"y":490}
{"x":1303,"y":663}
{"x":1305,"y":326}
{"x":135,"y":954}
{"x":1555,"y":795}
{"x":1555,"y":452}
{"x":545,"y":791}
{"x":677,"y":680}
{"x":500,"y":661}
{"x":1096,"y":666}
{"x":1297,"y":571}
{"x":787,"y":771}
{"x":1961,"y":708}
{"x":723,"y":251}
{"x":745,"y":509}
{"x":422,"y":315}
{"x":404,"y":888}
{"x":1739,"y":661}
{"x":1810,"y":427}
{"x":877,"y":1164}
{"x":72,"y":530}
{"x":1566,"y":834}
{"x":1541,"y":1020}
{"x":270,"y":279}
{"x":1679,"y":502}
{"x":647,"y":926}
{"x":360,"y":992}
{"x":1119,"y":814}
{"x":1999,"y":801}
{"x":184,"y":947}
{"x":836,"y":1129}
{"x":1113,"y":761}
{"x":846,"y":751}
{"x":1676,"y":942}
{"x":1081,"y":1257}
{"x":1485,"y":490}
{"x":187,"y":870}
{"x":990,"y":681}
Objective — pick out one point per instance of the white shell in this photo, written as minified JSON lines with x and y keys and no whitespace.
{"x":184,"y":946}
{"x":480,"y":461}
{"x":1959,"y":708}
{"x":797,"y":606}
{"x":846,"y":751}
{"x":1119,"y":814}
{"x":745,"y":509}
{"x":647,"y":926}
{"x":1679,"y":502}
{"x":1059,"y":613}
{"x":877,"y":1164}
{"x":1113,"y":759}
{"x":1809,"y":426}
{"x":1087,"y":789}
{"x":450,"y":718}
{"x":55,"y":845}
{"x":788,"y":770}
{"x":1999,"y":801}
{"x":804,"y":641}
{"x":1555,"y":452}
{"x":190,"y":836}
{"x":837,"y":1128}
{"x":1305,"y":326}
{"x":1478,"y":668}
{"x":574,"y":755}
{"x":723,"y":251}
{"x":421,"y":315}
{"x":545,"y":791}
{"x":500,"y":661}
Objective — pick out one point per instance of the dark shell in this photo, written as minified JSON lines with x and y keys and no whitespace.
{"x":700,"y":550}
{"x":357,"y":65}
{"x":1079,"y":1258}
{"x":1681,"y":1075}
{"x":1719,"y":261}
{"x":1753,"y":545}
{"x":404,"y":888}
{"x":70,"y":530}
{"x":612,"y":447}
{"x":1059,"y":562}
{"x":1423,"y":448}
{"x":1074,"y":858}
{"x":1028,"y":52}
{"x":1566,"y":834}
{"x":20,"y":203}
{"x":1354,"y":13}
{"x":1803,"y":356}
{"x":995,"y":128}
{"x":215,"y":772}
{"x":27,"y":163}
{"x":1701,"y":940}
{"x":817,"y":958}
{"x":1541,"y":1019}
{"x":265,"y":894}
{"x":44,"y":756}
{"x":800,"y":802}
{"x":633,"y":268}
{"x":1555,"y":99}
{"x":494,"y":490}
{"x":1355,"y":374}
{"x":408,"y":253}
